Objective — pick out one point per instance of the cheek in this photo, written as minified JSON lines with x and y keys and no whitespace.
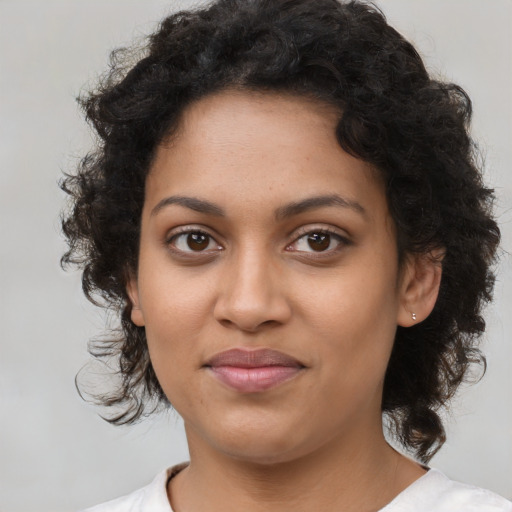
{"x":350,"y":300}
{"x":174,"y":301}
{"x":353,"y":317}
{"x":175,"y":316}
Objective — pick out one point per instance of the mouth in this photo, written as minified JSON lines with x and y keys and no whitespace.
{"x":253,"y":371}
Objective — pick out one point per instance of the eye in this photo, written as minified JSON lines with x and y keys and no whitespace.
{"x":191,"y":241}
{"x":319,"y":241}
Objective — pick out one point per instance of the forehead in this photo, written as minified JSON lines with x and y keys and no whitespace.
{"x":248,"y":120}
{"x":261,"y":148}
{"x":251,"y":105}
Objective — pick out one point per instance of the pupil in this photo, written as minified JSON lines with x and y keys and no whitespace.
{"x":319,"y":241}
{"x":197,"y":241}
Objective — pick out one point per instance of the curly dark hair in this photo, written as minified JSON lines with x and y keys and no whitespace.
{"x":411,"y":127}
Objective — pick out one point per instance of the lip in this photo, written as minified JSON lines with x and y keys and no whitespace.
{"x":253,"y":371}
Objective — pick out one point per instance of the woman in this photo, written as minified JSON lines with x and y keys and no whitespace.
{"x":285,"y":210}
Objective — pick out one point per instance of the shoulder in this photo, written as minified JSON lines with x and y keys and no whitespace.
{"x":130,"y":503}
{"x":151,"y":498}
{"x":435,"y":492}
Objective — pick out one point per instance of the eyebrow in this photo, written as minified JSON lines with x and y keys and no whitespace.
{"x":281,"y":213}
{"x":193,"y":203}
{"x":312,"y":203}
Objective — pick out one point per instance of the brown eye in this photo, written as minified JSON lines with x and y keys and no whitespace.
{"x":197,"y":241}
{"x":319,"y":241}
{"x":193,"y":241}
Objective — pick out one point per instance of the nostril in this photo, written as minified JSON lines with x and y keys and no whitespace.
{"x":246,"y":326}
{"x":249,"y":301}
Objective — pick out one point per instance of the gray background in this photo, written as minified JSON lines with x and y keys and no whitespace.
{"x":56,"y":454}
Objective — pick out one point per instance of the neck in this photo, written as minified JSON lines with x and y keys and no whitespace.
{"x":344,"y":474}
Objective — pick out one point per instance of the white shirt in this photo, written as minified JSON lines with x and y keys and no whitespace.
{"x":433,"y":492}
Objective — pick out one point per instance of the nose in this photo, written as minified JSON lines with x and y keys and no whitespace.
{"x":252,"y":294}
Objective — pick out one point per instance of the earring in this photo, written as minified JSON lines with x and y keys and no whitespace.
{"x":413,"y":316}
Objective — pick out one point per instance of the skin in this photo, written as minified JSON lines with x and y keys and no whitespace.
{"x":313,"y":442}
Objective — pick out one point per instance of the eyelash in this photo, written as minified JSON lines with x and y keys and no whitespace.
{"x":341,"y":240}
{"x":183,"y":232}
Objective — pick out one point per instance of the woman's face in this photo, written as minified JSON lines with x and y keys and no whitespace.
{"x":268,"y":280}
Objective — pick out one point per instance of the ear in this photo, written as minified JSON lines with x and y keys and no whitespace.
{"x":419,"y":287}
{"x":133,"y":293}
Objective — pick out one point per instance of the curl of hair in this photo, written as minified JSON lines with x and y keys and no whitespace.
{"x":411,"y":127}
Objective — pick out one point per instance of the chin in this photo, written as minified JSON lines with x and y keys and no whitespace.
{"x":263,"y":454}
{"x":272,"y":443}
